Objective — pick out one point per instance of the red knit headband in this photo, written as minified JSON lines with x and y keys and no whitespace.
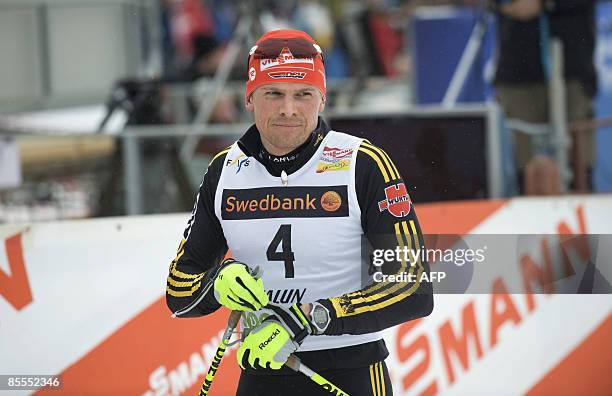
{"x":285,"y":56}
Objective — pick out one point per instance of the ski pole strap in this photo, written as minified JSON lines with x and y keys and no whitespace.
{"x":294,"y":321}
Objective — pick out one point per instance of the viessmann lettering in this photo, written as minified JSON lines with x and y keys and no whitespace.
{"x":270,"y":202}
{"x":273,"y":202}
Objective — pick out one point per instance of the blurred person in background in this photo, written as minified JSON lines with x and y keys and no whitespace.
{"x":193,"y":48}
{"x":385,"y":26}
{"x":195,"y":37}
{"x":276,"y":14}
{"x":523,"y":69}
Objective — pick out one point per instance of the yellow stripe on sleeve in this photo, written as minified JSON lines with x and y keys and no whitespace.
{"x":175,"y":283}
{"x":393,"y":300}
{"x":410,"y":291}
{"x":413,"y":227}
{"x":178,"y":279}
{"x":414,"y":246}
{"x":378,"y":285}
{"x":392,"y":170}
{"x":400,"y":243}
{"x":179,"y":251}
{"x":378,"y":161}
{"x":389,"y":158}
{"x":185,"y":293}
{"x":176,"y":273}
{"x":369,"y":301}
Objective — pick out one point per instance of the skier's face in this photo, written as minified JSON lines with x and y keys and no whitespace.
{"x":285,"y":114}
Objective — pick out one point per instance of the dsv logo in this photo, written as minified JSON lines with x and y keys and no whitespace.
{"x":269,"y":340}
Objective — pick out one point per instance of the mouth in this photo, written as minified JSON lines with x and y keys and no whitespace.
{"x":287,"y":125}
{"x":284,"y":123}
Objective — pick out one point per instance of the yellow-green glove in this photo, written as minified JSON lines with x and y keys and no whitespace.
{"x":278,"y":336}
{"x":236,"y":289}
{"x":267,"y":346}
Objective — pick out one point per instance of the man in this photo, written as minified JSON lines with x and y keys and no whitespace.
{"x":295,"y":199}
{"x":523,"y":68}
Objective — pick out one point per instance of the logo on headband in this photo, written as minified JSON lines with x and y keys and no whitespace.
{"x":286,"y":58}
{"x":288,"y":74}
{"x":252,"y":74}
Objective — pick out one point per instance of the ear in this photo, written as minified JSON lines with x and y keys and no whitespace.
{"x":322,"y":105}
{"x":248,"y":103}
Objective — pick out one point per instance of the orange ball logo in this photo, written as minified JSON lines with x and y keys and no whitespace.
{"x":331,"y":201}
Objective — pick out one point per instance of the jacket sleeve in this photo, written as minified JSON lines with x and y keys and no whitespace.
{"x":189,"y":290}
{"x":388,"y":220}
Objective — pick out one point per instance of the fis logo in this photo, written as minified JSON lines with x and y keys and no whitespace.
{"x":239,"y":162}
{"x":397,"y":200}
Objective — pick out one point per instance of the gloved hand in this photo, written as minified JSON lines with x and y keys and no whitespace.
{"x":269,"y":344}
{"x":236,"y":289}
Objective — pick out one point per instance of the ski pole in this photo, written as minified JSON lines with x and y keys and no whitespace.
{"x":296,"y":365}
{"x":232,"y":322}
{"x":293,"y":361}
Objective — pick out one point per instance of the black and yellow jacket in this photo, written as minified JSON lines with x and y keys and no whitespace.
{"x":374,"y":307}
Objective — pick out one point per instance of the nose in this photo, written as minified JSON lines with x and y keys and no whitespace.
{"x":288,"y":107}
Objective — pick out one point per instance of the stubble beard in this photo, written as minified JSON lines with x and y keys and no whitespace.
{"x":284,"y":142}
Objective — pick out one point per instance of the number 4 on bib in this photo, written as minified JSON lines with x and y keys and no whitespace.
{"x":282,"y":238}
